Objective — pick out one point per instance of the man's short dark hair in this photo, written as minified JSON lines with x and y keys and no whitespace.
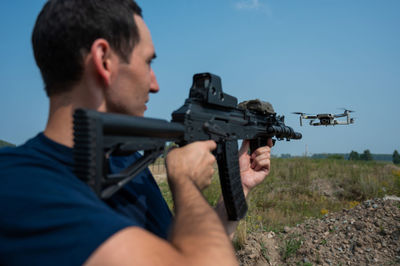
{"x":66,"y":29}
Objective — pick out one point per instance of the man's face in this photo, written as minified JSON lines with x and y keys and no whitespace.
{"x":130,"y":88}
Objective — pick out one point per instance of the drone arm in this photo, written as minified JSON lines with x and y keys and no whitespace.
{"x":341,"y":123}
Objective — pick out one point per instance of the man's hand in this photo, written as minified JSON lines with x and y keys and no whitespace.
{"x":254,"y":167}
{"x":194,"y":161}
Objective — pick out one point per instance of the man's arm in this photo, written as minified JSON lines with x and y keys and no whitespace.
{"x":197,"y":237}
{"x":253,"y":170}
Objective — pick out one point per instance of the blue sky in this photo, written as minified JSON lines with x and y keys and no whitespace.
{"x":313,"y":56}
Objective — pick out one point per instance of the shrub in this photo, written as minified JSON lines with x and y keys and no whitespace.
{"x":366,"y":156}
{"x":396,"y":157}
{"x":354,"y":156}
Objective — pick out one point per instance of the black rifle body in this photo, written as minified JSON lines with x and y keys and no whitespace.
{"x":207,"y":114}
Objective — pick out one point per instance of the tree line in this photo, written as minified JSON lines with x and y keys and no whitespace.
{"x":353,"y":155}
{"x":367,"y":156}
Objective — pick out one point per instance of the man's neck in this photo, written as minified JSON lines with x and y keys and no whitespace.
{"x":59,"y":125}
{"x":86,"y":94}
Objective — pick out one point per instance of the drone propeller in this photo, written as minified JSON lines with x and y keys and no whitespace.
{"x":302,"y":114}
{"x":346,"y":110}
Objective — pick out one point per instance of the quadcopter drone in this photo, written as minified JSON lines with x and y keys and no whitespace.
{"x":327,"y":119}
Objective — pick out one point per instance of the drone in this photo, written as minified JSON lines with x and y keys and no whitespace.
{"x":327,"y":119}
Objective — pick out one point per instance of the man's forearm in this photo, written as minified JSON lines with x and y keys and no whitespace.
{"x":197,"y":230}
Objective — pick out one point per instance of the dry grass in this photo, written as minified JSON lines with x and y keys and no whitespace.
{"x":299,"y":188}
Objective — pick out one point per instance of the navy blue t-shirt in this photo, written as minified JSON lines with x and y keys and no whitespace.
{"x":50,"y":217}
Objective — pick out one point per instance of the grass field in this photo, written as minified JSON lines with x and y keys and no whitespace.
{"x":300,"y":188}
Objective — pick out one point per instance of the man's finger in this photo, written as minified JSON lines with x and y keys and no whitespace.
{"x":264,"y":164}
{"x":270,"y":143}
{"x":210,"y":144}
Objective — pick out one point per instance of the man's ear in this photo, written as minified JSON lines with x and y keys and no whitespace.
{"x":103,"y":60}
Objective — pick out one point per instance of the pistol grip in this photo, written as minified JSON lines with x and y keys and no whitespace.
{"x":256,"y":143}
{"x":259,"y":142}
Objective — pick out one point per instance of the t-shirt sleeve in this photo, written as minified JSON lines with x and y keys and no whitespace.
{"x":46,"y":212}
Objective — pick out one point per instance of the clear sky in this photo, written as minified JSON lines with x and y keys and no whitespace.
{"x":312,"y":56}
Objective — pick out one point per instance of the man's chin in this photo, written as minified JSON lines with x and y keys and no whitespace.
{"x":131,"y":112}
{"x":139,"y":113}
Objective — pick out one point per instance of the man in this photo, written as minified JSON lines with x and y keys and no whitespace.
{"x":97,"y":54}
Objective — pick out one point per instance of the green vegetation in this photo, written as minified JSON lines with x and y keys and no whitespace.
{"x":354,"y":156}
{"x":6,"y":144}
{"x":336,"y":157}
{"x":300,"y":188}
{"x":290,"y":247}
{"x":264,"y":251}
{"x":396,"y":157}
{"x":366,"y":156}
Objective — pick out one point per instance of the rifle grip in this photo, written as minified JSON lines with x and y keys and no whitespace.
{"x":256,"y":143}
{"x":231,"y":184}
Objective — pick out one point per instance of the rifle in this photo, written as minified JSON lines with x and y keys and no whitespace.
{"x":208,"y":113}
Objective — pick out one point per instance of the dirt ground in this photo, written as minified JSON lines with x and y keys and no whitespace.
{"x":367,"y":234}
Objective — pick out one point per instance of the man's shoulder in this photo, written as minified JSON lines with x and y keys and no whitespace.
{"x":36,"y":152}
{"x":16,"y":157}
{"x":35,"y":168}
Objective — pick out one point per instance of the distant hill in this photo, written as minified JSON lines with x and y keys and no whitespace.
{"x":5,"y":144}
{"x":376,"y":157}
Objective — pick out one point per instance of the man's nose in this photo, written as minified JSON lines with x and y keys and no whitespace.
{"x":154,"y":88}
